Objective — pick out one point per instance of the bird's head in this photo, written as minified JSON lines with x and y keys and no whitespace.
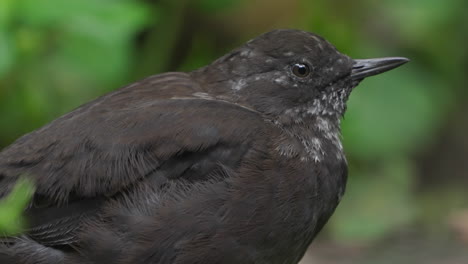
{"x":291,"y":75}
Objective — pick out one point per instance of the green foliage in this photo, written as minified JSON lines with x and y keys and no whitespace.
{"x":63,"y":52}
{"x":12,"y":206}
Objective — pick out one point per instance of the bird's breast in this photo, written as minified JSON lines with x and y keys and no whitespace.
{"x":283,"y":199}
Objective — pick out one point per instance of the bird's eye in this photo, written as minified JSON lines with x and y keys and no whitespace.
{"x":301,"y":70}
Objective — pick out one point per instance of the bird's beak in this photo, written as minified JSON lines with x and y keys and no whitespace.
{"x":369,"y":67}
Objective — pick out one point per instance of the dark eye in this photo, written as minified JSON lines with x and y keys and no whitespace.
{"x":301,"y":70}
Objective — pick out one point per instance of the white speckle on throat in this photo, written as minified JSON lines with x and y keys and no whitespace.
{"x":315,"y":148}
{"x":330,"y":132}
{"x":318,"y":134}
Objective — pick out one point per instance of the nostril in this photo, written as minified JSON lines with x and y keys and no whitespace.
{"x":358,"y":66}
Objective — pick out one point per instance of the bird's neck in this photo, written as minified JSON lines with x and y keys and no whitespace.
{"x":318,"y":137}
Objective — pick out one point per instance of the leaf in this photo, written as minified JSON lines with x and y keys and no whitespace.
{"x":11,"y":207}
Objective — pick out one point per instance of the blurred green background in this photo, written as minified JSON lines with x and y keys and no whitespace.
{"x":405,"y":132}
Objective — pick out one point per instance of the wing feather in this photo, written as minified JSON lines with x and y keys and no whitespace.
{"x":107,"y":146}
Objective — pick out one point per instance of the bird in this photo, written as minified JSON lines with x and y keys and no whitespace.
{"x":239,"y":161}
